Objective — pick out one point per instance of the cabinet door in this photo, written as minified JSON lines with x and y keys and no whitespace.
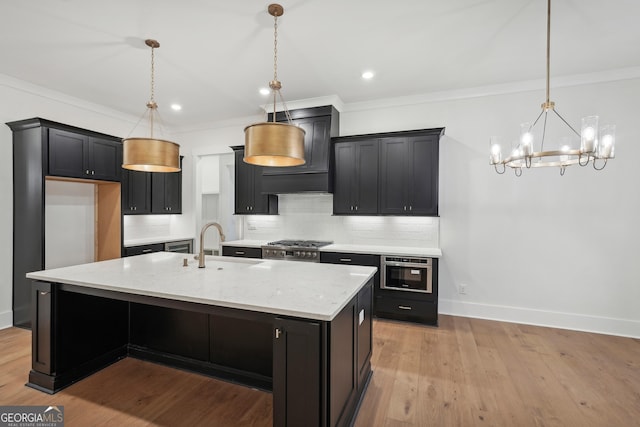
{"x":344,"y":177}
{"x":423,"y":178}
{"x":136,"y":192}
{"x":244,"y":191}
{"x":393,"y":176}
{"x":364,"y":315}
{"x":166,"y":192}
{"x":365,"y":189}
{"x":68,"y":154}
{"x":105,"y":159}
{"x":296,"y":373}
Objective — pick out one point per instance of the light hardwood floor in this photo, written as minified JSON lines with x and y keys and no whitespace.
{"x":467,"y":372}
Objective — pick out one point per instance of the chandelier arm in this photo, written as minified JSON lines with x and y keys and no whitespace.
{"x":566,"y":123}
{"x":580,"y":159}
{"x":536,"y":120}
{"x":603,"y":165}
{"x":562,"y":170}
{"x":544,"y":129}
{"x":518,"y":171}
{"x":504,"y":168}
{"x":548,"y":48}
{"x":138,"y":122}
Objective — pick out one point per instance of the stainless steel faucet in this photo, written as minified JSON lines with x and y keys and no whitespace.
{"x":204,"y":228}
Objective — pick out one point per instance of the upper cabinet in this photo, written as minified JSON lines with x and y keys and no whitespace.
{"x":146,"y":193}
{"x":409,"y":175}
{"x":79,"y":155}
{"x":387,"y":174}
{"x":249,"y":197}
{"x":356,"y":177}
{"x":166,"y":192}
{"x":320,"y":125}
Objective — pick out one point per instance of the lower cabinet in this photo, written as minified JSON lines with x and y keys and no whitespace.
{"x":242,"y":252}
{"x":403,"y":308}
{"x":143,"y":249}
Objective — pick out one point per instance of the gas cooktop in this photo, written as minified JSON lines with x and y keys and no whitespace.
{"x":294,"y":250}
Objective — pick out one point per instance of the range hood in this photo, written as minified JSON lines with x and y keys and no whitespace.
{"x":320,"y":125}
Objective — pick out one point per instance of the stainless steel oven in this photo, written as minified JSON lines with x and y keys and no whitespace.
{"x":409,"y":274}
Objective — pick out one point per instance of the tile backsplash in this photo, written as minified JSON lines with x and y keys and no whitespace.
{"x":309,"y":216}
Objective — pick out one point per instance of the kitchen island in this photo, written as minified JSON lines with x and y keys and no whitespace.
{"x":300,"y":330}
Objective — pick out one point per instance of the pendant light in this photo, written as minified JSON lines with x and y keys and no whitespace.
{"x":596,"y":144}
{"x":150,"y":154}
{"x":272,"y":143}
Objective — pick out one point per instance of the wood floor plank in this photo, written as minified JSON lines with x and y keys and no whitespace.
{"x":466,"y":372}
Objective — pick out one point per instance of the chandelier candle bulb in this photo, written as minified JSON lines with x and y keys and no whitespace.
{"x":496,"y":151}
{"x":606,"y":145}
{"x":588,"y":134}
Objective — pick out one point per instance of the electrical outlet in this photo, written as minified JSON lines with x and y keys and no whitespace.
{"x":462,"y":289}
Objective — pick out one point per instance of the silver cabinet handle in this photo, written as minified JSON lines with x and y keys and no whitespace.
{"x":278,"y":332}
{"x":93,"y":172}
{"x":44,"y":292}
{"x":345,"y":259}
{"x":404,"y":307}
{"x":146,"y":251}
{"x":356,"y":207}
{"x":239,"y":252}
{"x":86,"y":172}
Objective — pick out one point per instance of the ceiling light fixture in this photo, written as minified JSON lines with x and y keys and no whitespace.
{"x":264,"y":91}
{"x":176,"y":107}
{"x":150,"y":154}
{"x":272,"y":143}
{"x":367,"y":75}
{"x":595,"y":144}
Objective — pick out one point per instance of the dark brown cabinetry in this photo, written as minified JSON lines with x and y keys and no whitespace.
{"x":356,"y":177}
{"x":409,"y":175}
{"x":249,"y":197}
{"x":387,"y":174}
{"x":77,"y":155}
{"x":146,"y":193}
{"x":136,"y":192}
{"x":242,"y":252}
{"x":320,"y":125}
{"x":166,"y":193}
{"x":45,"y":150}
{"x":143,"y":249}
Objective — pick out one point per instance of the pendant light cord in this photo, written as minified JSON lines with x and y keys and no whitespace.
{"x":548,"y":47}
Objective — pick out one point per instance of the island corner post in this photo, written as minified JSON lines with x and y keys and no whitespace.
{"x":317,"y":370}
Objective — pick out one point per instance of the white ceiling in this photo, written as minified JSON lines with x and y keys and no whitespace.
{"x":215,"y":55}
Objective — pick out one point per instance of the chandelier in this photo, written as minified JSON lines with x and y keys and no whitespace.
{"x":271,"y":143}
{"x":150,"y":154}
{"x":597,"y":144}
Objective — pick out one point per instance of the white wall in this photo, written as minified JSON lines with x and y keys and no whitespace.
{"x":69,"y":225}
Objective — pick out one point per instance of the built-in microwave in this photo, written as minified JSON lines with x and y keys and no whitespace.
{"x":410,"y":274}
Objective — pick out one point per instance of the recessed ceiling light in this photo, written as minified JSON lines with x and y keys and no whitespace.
{"x":367,"y":75}
{"x":264,"y":91}
{"x":176,"y":107}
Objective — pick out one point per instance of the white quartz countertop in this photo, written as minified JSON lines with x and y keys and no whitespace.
{"x":299,"y":289}
{"x":152,"y":240}
{"x":358,"y":249}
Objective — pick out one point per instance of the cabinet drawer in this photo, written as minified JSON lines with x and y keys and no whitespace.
{"x":243,"y":252}
{"x":350,"y":259}
{"x":406,"y":309}
{"x":144,"y":249}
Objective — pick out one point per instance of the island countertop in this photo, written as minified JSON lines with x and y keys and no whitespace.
{"x":300,"y":289}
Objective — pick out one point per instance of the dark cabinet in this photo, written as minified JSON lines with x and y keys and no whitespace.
{"x":146,"y":193}
{"x":249,"y":198}
{"x":297,"y":372}
{"x":356,"y":177}
{"x":136,"y":192}
{"x":320,"y":125}
{"x":409,"y":175}
{"x":387,"y":174}
{"x":347,"y":258}
{"x":242,"y":252}
{"x":76,"y":155}
{"x":143,"y":249}
{"x":166,"y":193}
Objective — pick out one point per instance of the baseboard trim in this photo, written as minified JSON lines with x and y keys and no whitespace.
{"x":6,"y":319}
{"x":553,"y":319}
